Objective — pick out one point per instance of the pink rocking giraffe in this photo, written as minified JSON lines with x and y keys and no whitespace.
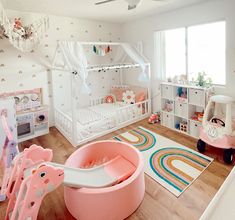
{"x":29,"y":157}
{"x":43,"y":180}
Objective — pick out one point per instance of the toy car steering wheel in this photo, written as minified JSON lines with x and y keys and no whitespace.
{"x":216,"y":120}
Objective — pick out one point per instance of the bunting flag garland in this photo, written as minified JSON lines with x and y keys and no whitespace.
{"x":24,"y":38}
{"x":100,"y":51}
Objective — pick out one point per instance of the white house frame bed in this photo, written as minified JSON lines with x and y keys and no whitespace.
{"x":80,"y":122}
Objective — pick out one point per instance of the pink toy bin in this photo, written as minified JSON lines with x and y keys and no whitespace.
{"x":110,"y":203}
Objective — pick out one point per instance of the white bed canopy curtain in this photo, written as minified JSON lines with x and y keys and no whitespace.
{"x":75,"y":60}
{"x":159,"y":44}
{"x":126,"y":49}
{"x":133,"y":54}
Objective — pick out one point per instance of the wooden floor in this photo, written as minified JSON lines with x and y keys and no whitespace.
{"x":158,"y":203}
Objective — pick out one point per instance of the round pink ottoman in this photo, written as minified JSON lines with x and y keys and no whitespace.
{"x":111,"y":203}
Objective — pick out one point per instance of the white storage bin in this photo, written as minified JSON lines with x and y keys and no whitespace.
{"x":194,"y":128}
{"x":167,"y":91}
{"x":197,"y":97}
{"x":168,"y":120}
{"x":181,"y":109}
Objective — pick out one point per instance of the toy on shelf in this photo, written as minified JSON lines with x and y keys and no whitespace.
{"x":218,"y":130}
{"x":9,"y":149}
{"x":181,"y":94}
{"x":183,"y":126}
{"x":169,"y":105}
{"x":198,"y":116}
{"x":34,"y":176}
{"x":155,"y":118}
{"x":182,"y":79}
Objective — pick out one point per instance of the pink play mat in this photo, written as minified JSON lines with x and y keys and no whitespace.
{"x":111,"y":203}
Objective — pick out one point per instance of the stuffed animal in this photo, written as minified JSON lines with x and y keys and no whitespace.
{"x":18,"y":23}
{"x":128,"y":97}
{"x":2,"y":32}
{"x":18,"y":29}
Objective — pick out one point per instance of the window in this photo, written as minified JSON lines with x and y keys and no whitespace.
{"x":190,"y":50}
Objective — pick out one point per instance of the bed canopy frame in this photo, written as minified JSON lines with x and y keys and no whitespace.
{"x":70,"y":58}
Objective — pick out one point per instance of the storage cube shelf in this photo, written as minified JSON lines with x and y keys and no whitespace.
{"x":179,"y":103}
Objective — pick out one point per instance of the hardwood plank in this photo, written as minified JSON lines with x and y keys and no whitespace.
{"x":158,"y":203}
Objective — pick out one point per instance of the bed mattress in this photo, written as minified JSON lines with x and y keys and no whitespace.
{"x":98,"y":118}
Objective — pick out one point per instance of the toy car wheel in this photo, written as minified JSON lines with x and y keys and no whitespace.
{"x":228,"y":156}
{"x":201,"y":146}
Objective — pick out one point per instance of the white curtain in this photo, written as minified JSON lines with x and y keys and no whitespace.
{"x":134,"y":55}
{"x":76,"y":61}
{"x":159,"y":41}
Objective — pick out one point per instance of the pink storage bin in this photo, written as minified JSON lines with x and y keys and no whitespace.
{"x":110,"y":203}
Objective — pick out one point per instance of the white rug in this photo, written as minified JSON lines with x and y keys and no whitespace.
{"x":171,"y":164}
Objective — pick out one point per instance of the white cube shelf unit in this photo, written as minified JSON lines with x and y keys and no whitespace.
{"x":178,"y":112}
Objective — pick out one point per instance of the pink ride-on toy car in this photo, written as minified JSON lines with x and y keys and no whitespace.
{"x":218,"y":128}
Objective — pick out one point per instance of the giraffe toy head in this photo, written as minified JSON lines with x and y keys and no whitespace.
{"x":45,"y":179}
{"x":36,"y":154}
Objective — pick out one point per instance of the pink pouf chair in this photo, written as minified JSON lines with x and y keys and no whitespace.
{"x":111,"y":203}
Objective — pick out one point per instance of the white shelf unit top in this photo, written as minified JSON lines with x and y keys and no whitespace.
{"x":196,"y":101}
{"x":185,"y":86}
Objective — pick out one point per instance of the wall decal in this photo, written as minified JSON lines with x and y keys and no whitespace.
{"x":40,"y":57}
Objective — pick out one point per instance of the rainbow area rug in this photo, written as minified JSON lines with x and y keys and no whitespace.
{"x":172,"y":165}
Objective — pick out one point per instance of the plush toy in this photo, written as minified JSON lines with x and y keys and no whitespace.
{"x":28,"y":32}
{"x":184,"y":93}
{"x":110,"y":99}
{"x":18,"y":23}
{"x":128,"y":97}
{"x":168,"y":106}
{"x":2,"y":32}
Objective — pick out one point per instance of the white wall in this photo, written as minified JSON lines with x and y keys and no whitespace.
{"x":214,"y":10}
{"x":20,"y":71}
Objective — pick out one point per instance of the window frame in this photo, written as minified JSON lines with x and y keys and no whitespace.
{"x":186,"y":27}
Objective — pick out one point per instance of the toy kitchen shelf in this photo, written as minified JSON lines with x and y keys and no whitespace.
{"x":182,"y":107}
{"x":32,"y":123}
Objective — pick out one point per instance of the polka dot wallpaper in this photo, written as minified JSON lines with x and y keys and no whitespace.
{"x":19,"y":71}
